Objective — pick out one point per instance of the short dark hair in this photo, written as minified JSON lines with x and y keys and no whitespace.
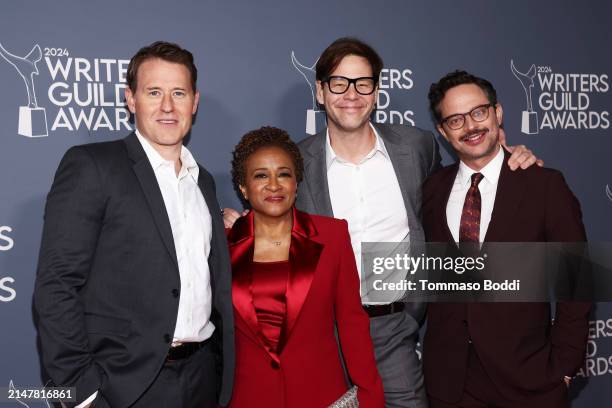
{"x":254,"y":140}
{"x":342,"y":47}
{"x":437,"y":90}
{"x":163,"y":50}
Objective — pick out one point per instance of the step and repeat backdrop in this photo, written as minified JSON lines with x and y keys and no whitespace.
{"x":62,"y":76}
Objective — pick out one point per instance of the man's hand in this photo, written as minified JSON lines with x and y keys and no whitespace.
{"x":567,"y":380}
{"x":230,"y":216}
{"x":521,"y":156}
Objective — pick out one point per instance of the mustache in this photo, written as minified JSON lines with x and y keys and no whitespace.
{"x":472,"y":133}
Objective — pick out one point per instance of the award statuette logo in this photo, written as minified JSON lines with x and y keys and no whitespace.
{"x":309,"y":75}
{"x":32,"y":118}
{"x":529,"y":123}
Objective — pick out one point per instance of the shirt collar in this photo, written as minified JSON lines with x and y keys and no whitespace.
{"x":188,"y":162}
{"x":330,"y":155}
{"x":490,"y":172}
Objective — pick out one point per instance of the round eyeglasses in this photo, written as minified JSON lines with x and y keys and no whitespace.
{"x":478,"y":114}
{"x":340,"y":84}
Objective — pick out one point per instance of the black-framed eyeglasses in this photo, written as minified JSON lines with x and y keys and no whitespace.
{"x":478,"y":114}
{"x":340,"y":84}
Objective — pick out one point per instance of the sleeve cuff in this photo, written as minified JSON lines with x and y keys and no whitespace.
{"x":89,"y":400}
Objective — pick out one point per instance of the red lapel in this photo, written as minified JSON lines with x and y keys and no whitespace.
{"x":241,"y":245}
{"x":304,"y":256}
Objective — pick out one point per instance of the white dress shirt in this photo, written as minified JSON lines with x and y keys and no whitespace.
{"x":368,"y":196}
{"x":487,"y":188}
{"x":191,"y":230}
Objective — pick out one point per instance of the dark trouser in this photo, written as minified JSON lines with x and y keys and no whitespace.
{"x":480,"y":392}
{"x":190,"y":382}
{"x":394,"y":337}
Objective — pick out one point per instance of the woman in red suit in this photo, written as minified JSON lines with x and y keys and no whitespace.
{"x":294,"y":277}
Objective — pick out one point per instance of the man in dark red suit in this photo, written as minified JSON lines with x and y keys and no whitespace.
{"x":496,"y":354}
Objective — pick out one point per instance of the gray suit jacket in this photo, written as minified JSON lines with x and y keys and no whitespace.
{"x":414,"y":154}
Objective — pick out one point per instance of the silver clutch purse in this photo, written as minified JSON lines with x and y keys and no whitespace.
{"x":347,"y":400}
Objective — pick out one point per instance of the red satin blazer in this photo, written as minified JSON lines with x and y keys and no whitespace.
{"x":323,"y":288}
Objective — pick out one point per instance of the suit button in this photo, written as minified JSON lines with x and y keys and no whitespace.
{"x":175,"y":293}
{"x":274,"y":365}
{"x":167,"y":338}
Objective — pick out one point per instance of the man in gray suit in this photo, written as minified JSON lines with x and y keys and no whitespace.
{"x":371,"y":175}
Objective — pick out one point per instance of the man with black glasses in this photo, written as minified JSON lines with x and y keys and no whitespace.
{"x":369,"y":174}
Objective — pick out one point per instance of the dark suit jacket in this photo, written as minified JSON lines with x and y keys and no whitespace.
{"x":107,"y":288}
{"x":323,"y":289}
{"x":414,"y":155}
{"x":519,"y":348}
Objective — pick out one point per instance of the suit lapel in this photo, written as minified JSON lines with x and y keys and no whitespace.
{"x":446,"y":186}
{"x":304,"y":256}
{"x":510,"y":192}
{"x":403,"y":161}
{"x":150,"y":188}
{"x":218,"y":230}
{"x":315,"y":167}
{"x":241,"y":246}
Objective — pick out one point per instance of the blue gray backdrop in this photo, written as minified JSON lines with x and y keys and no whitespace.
{"x":77,"y":52}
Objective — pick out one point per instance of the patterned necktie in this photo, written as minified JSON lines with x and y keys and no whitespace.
{"x":469,"y":228}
